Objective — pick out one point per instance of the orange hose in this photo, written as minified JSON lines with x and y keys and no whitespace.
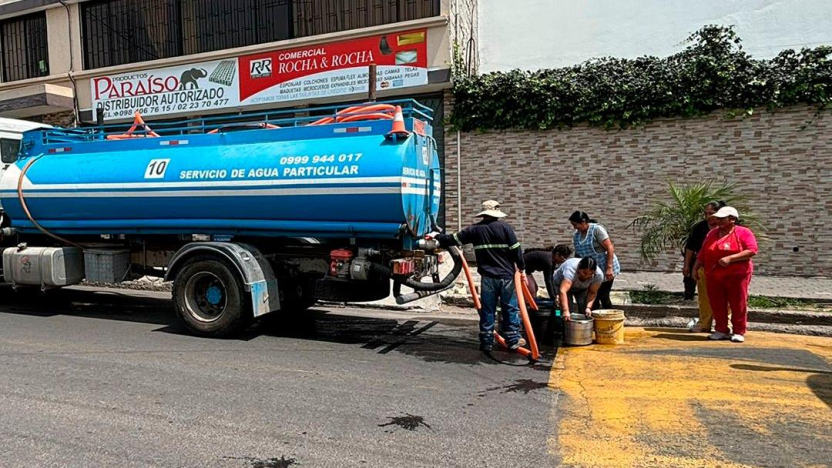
{"x":137,"y":120}
{"x":26,"y":207}
{"x":359,"y":117}
{"x":502,"y":342}
{"x":467,"y":270}
{"x":368,"y":108}
{"x":323,"y":121}
{"x":359,"y":113}
{"x":534,"y":353}
{"x":528,"y":295}
{"x":524,"y":314}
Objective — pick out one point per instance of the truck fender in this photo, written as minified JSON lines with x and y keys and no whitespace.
{"x":255,"y":271}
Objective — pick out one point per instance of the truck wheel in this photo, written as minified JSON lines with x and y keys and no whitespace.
{"x":209,"y":298}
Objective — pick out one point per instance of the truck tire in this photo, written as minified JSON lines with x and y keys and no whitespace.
{"x":210,"y":299}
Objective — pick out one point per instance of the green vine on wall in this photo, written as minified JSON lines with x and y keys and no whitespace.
{"x":712,"y":72}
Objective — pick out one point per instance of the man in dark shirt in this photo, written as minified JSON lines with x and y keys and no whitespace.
{"x":694,"y":243}
{"x":692,"y":247}
{"x":498,"y":256}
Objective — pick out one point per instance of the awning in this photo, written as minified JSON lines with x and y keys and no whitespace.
{"x":37,"y":99}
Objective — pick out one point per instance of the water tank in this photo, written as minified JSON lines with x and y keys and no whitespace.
{"x":337,"y":180}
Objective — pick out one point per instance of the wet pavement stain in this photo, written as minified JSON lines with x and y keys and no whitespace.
{"x":408,"y":421}
{"x":281,"y":462}
{"x":521,"y":385}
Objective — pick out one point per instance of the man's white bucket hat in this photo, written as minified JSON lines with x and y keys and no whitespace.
{"x":491,"y":208}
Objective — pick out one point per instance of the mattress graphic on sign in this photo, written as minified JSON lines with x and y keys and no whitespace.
{"x":328,"y":70}
{"x":224,"y":73}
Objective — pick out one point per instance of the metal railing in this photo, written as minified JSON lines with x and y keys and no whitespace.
{"x":25,"y":53}
{"x":284,"y":118}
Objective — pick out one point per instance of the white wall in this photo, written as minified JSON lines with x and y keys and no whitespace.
{"x":532,"y":34}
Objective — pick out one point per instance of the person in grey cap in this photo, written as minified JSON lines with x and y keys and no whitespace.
{"x":498,"y":256}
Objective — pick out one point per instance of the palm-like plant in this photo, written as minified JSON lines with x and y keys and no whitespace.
{"x":668,"y":223}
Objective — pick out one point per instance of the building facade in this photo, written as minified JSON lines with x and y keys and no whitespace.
{"x":64,"y":60}
{"x":71,"y":62}
{"x":562,"y":33}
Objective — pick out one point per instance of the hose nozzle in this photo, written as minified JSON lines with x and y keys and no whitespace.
{"x":428,"y":245}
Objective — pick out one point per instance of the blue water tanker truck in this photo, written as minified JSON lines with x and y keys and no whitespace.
{"x":246,"y":215}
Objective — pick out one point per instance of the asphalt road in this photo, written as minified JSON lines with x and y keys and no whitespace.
{"x":108,"y":378}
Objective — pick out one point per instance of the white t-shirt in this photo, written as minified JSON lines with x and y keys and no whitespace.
{"x":569,"y":270}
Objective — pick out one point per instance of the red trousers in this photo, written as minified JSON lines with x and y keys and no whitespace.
{"x":729,"y":290}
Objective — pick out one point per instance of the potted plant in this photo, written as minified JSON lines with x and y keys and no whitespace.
{"x":668,"y":222}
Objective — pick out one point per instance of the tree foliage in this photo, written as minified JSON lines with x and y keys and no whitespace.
{"x":712,"y":72}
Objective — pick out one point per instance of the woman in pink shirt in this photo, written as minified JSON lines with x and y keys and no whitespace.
{"x":726,"y":257}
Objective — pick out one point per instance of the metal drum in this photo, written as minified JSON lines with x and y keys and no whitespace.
{"x":579,"y":330}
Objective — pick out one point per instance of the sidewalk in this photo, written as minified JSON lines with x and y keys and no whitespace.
{"x":772,"y":286}
{"x":780,"y":286}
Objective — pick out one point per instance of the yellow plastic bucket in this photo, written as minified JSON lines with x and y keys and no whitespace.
{"x":609,"y":326}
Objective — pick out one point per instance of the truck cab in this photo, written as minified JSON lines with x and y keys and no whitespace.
{"x":11,"y":132}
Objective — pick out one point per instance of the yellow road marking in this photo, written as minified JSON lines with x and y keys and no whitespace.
{"x":650,"y":402}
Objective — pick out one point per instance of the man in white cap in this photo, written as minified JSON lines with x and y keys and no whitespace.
{"x":498,"y":256}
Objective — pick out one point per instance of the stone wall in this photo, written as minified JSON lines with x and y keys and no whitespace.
{"x":780,"y":162}
{"x":58,"y":119}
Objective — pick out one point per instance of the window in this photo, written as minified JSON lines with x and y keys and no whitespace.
{"x":9,"y":149}
{"x":209,"y":25}
{"x":24,"y":48}
{"x":127,"y":31}
{"x":117,"y":32}
{"x":313,"y":17}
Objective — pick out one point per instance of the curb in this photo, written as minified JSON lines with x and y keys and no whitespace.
{"x":641,"y":311}
{"x":780,"y":317}
{"x":783,"y":317}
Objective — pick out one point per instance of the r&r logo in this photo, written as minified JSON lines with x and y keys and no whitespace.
{"x":261,"y":68}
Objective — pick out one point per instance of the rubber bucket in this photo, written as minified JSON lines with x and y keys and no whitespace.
{"x":579,"y":330}
{"x":542,"y":322}
{"x":609,"y":326}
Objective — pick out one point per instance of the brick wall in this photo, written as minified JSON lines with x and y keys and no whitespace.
{"x":541,"y":177}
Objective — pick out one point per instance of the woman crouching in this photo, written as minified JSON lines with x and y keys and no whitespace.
{"x":577,"y":281}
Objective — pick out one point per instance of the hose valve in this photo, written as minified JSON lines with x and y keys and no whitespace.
{"x":428,"y":245}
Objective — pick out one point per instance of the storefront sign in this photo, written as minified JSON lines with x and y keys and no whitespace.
{"x":188,"y":88}
{"x":283,"y":76}
{"x":334,"y":69}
